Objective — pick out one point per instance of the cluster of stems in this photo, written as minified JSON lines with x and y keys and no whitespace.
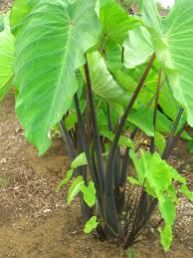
{"x":110,"y":175}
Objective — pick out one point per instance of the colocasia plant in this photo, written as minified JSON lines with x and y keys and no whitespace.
{"x":106,"y":78}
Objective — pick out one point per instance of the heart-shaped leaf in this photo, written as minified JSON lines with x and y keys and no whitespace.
{"x":50,"y":46}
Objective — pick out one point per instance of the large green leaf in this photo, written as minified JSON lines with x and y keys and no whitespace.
{"x":151,"y":16}
{"x":124,"y":79}
{"x":116,"y":21}
{"x":113,"y":55}
{"x":128,"y":81}
{"x":50,"y":46}
{"x":143,"y":118}
{"x":7,"y":49}
{"x":165,"y":98}
{"x":173,"y":42}
{"x":138,"y":47}
{"x":103,"y":83}
{"x":20,"y":10}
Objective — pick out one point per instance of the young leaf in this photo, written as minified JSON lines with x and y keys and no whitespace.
{"x":159,"y":172}
{"x":167,"y":208}
{"x":79,"y":161}
{"x":66,"y":180}
{"x":166,"y":237}
{"x":156,"y":171}
{"x":186,"y":192}
{"x":157,"y":177}
{"x":178,"y":178}
{"x":89,"y":194}
{"x":75,"y":188}
{"x":90,"y":225}
{"x":48,"y":69}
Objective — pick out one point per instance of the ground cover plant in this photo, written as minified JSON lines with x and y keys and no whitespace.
{"x":103,"y":76}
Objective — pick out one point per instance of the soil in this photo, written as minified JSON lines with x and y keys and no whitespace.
{"x":36,"y":222}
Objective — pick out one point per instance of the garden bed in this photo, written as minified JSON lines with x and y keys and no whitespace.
{"x":36,"y":221}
